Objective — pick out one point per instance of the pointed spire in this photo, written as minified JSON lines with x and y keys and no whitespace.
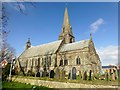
{"x":66,"y":29}
{"x":66,"y":21}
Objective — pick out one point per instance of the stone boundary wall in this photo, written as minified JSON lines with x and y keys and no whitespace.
{"x":54,"y":84}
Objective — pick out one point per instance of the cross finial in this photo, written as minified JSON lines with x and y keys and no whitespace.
{"x":90,"y":34}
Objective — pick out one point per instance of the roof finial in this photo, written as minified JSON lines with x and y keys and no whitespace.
{"x":28,"y":39}
{"x":90,"y":36}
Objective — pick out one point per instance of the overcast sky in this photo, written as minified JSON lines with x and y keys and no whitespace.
{"x":43,"y":24}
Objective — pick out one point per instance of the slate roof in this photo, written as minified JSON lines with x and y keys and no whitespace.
{"x":52,"y":47}
{"x":43,"y":49}
{"x":75,"y":45}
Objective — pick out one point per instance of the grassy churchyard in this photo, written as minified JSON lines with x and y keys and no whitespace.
{"x":15,"y":85}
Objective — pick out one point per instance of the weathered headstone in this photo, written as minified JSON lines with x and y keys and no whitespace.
{"x":80,"y":75}
{"x":107,"y":76}
{"x":51,"y":74}
{"x":73,"y":73}
{"x":38,"y":74}
{"x":113,"y":75}
{"x":43,"y":74}
{"x":85,"y":76}
{"x":62,"y":74}
{"x":57,"y":73}
{"x":116,"y":74}
{"x":69,"y":75}
{"x":90,"y":75}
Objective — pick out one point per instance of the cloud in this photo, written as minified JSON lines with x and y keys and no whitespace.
{"x":96,"y":25}
{"x":108,"y":55}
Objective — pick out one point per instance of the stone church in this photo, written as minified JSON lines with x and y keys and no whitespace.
{"x":64,"y":54}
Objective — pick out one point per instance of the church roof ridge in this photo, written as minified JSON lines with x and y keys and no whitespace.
{"x":75,"y":46}
{"x":46,"y":43}
{"x":77,"y":42}
{"x":44,"y":49}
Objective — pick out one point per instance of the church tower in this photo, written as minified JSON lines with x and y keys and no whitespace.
{"x":66,"y":33}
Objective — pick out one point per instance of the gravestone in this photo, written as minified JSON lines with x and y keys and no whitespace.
{"x":51,"y":74}
{"x":57,"y":73}
{"x":107,"y":76}
{"x":73,"y":73}
{"x":38,"y":74}
{"x":90,"y":75}
{"x":113,"y":75}
{"x":69,"y":75}
{"x":116,"y":74}
{"x":62,"y":74}
{"x":80,"y":75}
{"x":85,"y":76}
{"x":43,"y":74}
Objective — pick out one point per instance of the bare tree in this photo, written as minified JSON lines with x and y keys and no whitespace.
{"x":6,"y":51}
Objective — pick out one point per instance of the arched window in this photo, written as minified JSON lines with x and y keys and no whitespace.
{"x":38,"y":61}
{"x":61,"y":62}
{"x":42,"y":61}
{"x":50,"y":61}
{"x":78,"y":61}
{"x":65,"y":62}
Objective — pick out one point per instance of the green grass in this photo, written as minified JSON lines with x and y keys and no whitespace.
{"x":17,"y":85}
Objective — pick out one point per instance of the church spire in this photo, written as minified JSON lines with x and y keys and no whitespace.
{"x":66,"y":21}
{"x":66,"y":33}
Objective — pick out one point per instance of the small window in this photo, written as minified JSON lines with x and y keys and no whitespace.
{"x":65,"y":62}
{"x":42,"y":61}
{"x":49,"y":60}
{"x":38,"y":61}
{"x":61,"y":62}
{"x":78,"y":61}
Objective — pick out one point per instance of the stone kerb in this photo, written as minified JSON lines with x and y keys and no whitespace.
{"x":54,"y":84}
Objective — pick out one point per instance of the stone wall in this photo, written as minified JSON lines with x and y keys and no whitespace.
{"x":54,"y":84}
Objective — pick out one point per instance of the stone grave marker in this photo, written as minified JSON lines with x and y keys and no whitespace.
{"x":80,"y":75}
{"x":62,"y":74}
{"x":57,"y":73}
{"x":85,"y":76}
{"x":107,"y":76}
{"x":51,"y":74}
{"x":113,"y":75}
{"x":38,"y":74}
{"x":73,"y":73}
{"x":90,"y":75}
{"x":69,"y":75}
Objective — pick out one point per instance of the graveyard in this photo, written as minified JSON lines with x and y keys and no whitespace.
{"x":57,"y":75}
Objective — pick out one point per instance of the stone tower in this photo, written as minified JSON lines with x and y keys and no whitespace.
{"x":28,"y":44}
{"x":66,"y":33}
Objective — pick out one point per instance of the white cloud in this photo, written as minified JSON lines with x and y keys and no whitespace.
{"x":108,"y":55}
{"x":95,"y":26}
